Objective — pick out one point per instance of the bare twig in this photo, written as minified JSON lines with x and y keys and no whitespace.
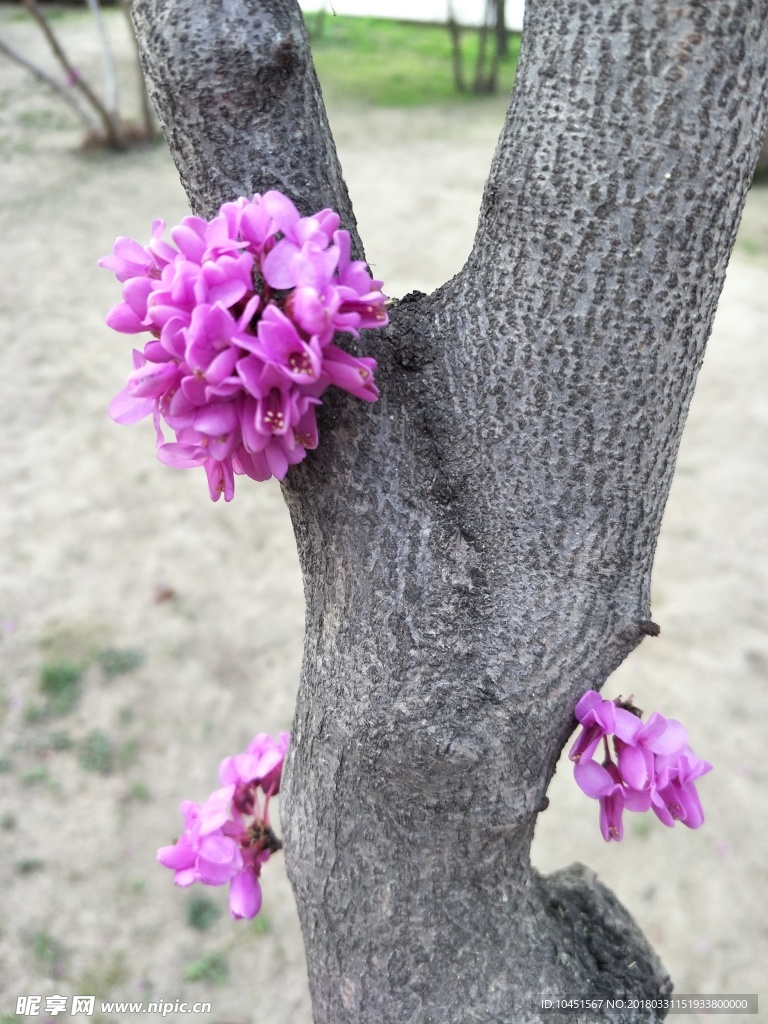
{"x":455,"y":33}
{"x":63,"y":91}
{"x":111,"y":127}
{"x":486,"y":81}
{"x":479,"y":85}
{"x":502,"y":37}
{"x":110,"y":78}
{"x":147,"y":115}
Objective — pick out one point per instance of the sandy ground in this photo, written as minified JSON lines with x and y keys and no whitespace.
{"x":185,"y":618}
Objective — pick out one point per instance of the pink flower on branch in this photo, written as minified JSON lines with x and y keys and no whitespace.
{"x":228,"y":839}
{"x":242,"y":312}
{"x":650,"y":766}
{"x":604,"y":783}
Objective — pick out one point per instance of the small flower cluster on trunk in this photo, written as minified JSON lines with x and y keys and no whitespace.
{"x":229,"y":837}
{"x":242,"y":312}
{"x":651,"y":766}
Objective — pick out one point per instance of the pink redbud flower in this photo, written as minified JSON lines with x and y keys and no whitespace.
{"x":241,"y":312}
{"x":648,"y":765}
{"x":228,"y":838}
{"x":674,"y":795}
{"x":604,"y":783}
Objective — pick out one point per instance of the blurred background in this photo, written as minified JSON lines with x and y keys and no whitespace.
{"x":145,"y":633}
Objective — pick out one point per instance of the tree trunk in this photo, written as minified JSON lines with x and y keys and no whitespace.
{"x":456,"y":58}
{"x":500,"y":29}
{"x":489,"y":81}
{"x":481,"y":80}
{"x":477,"y":546}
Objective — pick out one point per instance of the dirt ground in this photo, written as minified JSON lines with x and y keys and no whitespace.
{"x":145,"y":632}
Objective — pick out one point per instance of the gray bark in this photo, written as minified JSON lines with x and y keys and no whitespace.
{"x":477,"y":547}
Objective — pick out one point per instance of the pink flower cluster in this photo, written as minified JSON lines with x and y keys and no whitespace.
{"x":651,"y":766}
{"x":229,"y":837}
{"x":242,"y":313}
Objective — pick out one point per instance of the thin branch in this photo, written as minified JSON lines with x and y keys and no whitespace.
{"x":500,"y":24}
{"x":147,"y":114}
{"x":486,"y":81}
{"x":111,"y":127}
{"x":110,"y":77}
{"x":43,"y":76}
{"x":455,"y":34}
{"x":479,"y":85}
{"x":495,"y":11}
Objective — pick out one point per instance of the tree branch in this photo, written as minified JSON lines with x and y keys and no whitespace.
{"x":147,"y":116}
{"x":62,"y":91}
{"x":255,"y":119}
{"x":111,"y":126}
{"x":110,"y":78}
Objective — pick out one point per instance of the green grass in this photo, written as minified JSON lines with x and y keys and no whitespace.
{"x":43,"y":120}
{"x":261,"y":925}
{"x":140,"y":792}
{"x":97,"y":753}
{"x":52,"y":13}
{"x":29,"y":866}
{"x":202,"y":912}
{"x":49,"y":953}
{"x":60,"y":684}
{"x":116,"y":661}
{"x":103,"y":975}
{"x":642,"y":827}
{"x":210,"y":967}
{"x":394,"y":64}
{"x":34,"y":776}
{"x":60,"y":741}
{"x":126,"y":754}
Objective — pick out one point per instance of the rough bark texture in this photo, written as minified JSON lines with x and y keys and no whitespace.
{"x":477,"y":547}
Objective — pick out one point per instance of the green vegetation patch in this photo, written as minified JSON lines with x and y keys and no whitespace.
{"x":29,"y":866}
{"x":202,"y":912}
{"x":261,"y":924}
{"x":397,"y":64}
{"x":140,"y":792}
{"x":97,"y":753}
{"x":60,"y":685}
{"x":43,"y":120}
{"x":104,"y":975}
{"x":34,"y":776}
{"x":49,"y":953}
{"x":60,"y":741}
{"x":127,"y":754}
{"x":210,"y":967}
{"x":116,"y":661}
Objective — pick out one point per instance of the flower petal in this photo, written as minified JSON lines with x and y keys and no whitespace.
{"x":671,"y":739}
{"x":592,"y":778}
{"x":181,"y":456}
{"x":219,"y":859}
{"x":244,"y":895}
{"x":635,"y":766}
